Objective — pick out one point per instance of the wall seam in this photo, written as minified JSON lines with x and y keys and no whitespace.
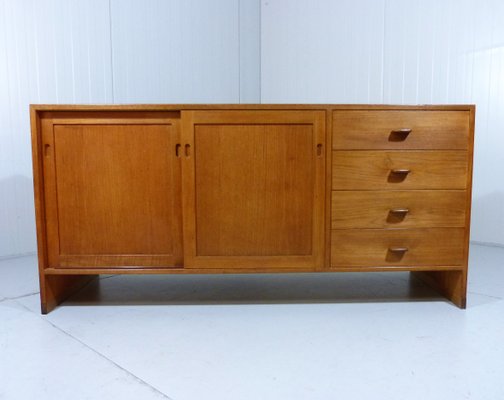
{"x":9,"y":121}
{"x":383,"y":53}
{"x":111,"y":52}
{"x":260,"y":51}
{"x":239,"y":53}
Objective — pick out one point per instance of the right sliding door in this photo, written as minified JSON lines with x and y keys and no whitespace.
{"x":253,"y":189}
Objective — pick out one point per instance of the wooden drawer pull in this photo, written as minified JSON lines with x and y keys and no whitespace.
{"x":400,"y":171}
{"x":398,"y":250}
{"x":399,"y":135}
{"x":395,"y":254}
{"x":397,"y":215}
{"x":399,"y":211}
{"x":398,"y":175}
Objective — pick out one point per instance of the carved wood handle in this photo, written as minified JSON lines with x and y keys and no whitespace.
{"x":400,"y":171}
{"x":402,"y":211}
{"x":399,"y":135}
{"x":404,"y":131}
{"x":401,"y":250}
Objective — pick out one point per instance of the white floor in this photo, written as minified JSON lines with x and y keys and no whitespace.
{"x":329,"y":336}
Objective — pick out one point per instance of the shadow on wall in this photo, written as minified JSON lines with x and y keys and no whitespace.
{"x":487,"y":219}
{"x":17,"y":216}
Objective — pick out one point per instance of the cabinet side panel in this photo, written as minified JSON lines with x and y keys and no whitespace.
{"x":38,"y":187}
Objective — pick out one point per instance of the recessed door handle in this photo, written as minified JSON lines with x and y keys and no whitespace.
{"x":187,"y":150}
{"x":177,"y":150}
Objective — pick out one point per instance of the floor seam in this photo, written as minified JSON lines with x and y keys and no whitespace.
{"x":18,"y":297}
{"x":138,"y":379}
{"x":486,"y":295}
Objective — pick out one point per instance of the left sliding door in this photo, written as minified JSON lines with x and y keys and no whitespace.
{"x":111,"y":189}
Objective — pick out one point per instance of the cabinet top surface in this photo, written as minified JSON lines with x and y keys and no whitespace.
{"x":168,"y":107}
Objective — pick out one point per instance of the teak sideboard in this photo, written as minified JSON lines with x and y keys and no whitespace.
{"x":161,"y":189}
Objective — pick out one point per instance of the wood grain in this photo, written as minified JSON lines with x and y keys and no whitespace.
{"x":328,"y":189}
{"x":115,"y":193}
{"x":451,"y":284}
{"x":258,"y":189}
{"x":254,"y":190}
{"x":55,"y":289}
{"x":371,"y":170}
{"x":373,"y":130}
{"x":259,"y":269}
{"x":371,"y":247}
{"x":38,"y":190}
{"x":189,"y":107}
{"x":374,"y":209}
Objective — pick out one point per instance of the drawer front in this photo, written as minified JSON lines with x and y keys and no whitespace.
{"x":398,"y":209}
{"x":400,"y":130}
{"x":397,"y":247}
{"x":395,"y":170}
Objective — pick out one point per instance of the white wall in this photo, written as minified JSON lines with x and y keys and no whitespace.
{"x":106,"y":51}
{"x":319,"y":51}
{"x":50,"y":51}
{"x":403,"y":52}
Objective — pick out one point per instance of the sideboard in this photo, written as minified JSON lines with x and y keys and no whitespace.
{"x":193,"y":189}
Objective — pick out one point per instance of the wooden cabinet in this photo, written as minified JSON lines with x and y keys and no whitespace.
{"x":228,"y":188}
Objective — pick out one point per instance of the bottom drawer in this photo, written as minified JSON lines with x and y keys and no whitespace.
{"x":397,"y":247}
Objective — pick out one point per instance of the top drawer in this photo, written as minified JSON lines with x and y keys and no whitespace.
{"x":395,"y":129}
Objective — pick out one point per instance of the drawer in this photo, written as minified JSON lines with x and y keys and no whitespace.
{"x":397,"y":247}
{"x":398,"y":209}
{"x":400,"y":130}
{"x":395,"y":170}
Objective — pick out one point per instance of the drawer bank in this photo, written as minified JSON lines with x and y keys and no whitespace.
{"x":162,"y":189}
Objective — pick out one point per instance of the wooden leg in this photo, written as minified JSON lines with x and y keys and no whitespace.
{"x":451,"y":284}
{"x":56,"y":288}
